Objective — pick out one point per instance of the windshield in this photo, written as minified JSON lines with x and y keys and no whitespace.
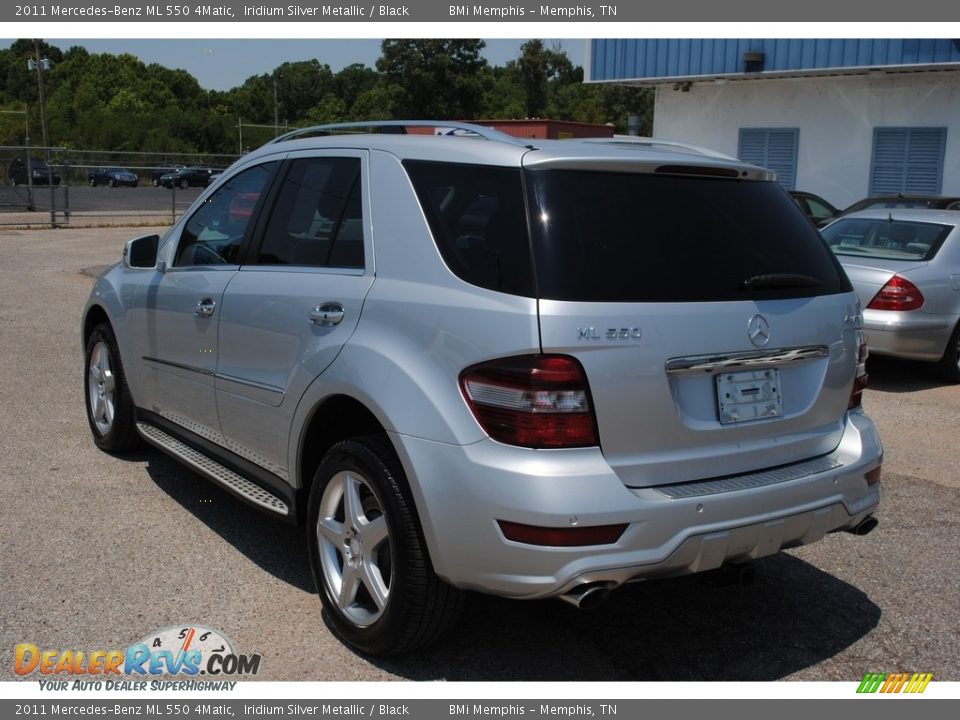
{"x":643,"y":237}
{"x":886,"y":239}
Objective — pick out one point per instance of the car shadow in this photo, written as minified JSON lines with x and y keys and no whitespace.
{"x":275,"y":546}
{"x":792,"y":617}
{"x":893,"y":375}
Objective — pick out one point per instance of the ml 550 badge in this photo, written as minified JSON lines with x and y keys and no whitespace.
{"x":187,"y":650}
{"x":592,"y":333}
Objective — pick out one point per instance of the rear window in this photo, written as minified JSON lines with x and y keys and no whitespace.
{"x":886,"y":239}
{"x":619,"y":237}
{"x":478,"y":221}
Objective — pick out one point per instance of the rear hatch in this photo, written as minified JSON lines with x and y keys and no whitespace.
{"x":716,"y":329}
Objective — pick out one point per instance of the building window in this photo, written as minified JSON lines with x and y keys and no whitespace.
{"x":907,"y":160}
{"x":774,"y":149}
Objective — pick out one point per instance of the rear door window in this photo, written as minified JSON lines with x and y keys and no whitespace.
{"x":317,"y":220}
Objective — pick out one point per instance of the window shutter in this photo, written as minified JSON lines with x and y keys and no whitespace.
{"x":774,"y":149}
{"x":907,"y":160}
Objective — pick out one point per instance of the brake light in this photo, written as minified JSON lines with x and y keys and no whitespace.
{"x":860,"y":380}
{"x":898,"y":294}
{"x":536,"y":401}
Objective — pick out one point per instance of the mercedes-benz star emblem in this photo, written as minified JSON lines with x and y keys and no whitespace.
{"x":758,"y":330}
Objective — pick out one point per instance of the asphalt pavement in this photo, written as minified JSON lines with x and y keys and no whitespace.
{"x":98,"y":551}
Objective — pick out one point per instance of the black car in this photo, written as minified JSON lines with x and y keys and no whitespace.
{"x":814,"y":207}
{"x":188,"y":177}
{"x":40,"y":173}
{"x":159,"y":172}
{"x":114,"y":177}
{"x":900,"y":200}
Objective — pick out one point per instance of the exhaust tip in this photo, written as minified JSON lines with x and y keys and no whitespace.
{"x":865,"y":526}
{"x":587,"y":596}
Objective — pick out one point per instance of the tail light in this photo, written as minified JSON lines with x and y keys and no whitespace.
{"x":536,"y":401}
{"x":860,"y":380}
{"x":898,"y":294}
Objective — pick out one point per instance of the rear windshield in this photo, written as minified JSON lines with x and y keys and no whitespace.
{"x":618,"y":237}
{"x":886,"y":239}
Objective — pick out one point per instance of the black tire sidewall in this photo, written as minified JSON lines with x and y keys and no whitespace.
{"x":370,"y":460}
{"x":122,"y":434}
{"x":948,"y":365}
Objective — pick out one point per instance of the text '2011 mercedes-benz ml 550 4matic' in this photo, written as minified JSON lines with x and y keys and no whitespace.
{"x":465,"y":361}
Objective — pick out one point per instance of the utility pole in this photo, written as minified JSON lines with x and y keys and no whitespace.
{"x":42,"y":64}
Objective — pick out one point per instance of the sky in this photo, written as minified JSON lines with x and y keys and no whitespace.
{"x":224,"y":64}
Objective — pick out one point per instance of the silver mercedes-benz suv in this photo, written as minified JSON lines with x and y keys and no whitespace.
{"x":466,"y":361}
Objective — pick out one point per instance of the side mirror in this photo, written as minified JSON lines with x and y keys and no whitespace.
{"x":141,"y":252}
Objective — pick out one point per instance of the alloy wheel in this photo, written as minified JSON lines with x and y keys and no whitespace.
{"x":354,"y":548}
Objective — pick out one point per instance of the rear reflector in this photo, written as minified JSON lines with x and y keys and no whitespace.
{"x":873,"y":477}
{"x":898,"y":294}
{"x":561,"y":537}
{"x":860,"y":379}
{"x":536,"y":401}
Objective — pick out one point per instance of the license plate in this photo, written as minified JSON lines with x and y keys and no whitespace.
{"x":749,"y":395}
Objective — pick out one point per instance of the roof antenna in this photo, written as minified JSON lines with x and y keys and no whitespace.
{"x":890,"y":216}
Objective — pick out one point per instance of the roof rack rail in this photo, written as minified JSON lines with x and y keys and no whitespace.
{"x":400,"y":127}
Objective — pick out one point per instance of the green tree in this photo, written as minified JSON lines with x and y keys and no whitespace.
{"x":537,"y":67}
{"x":440,"y":79}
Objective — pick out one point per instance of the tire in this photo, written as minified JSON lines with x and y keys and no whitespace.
{"x":112,"y":183}
{"x":949,"y":365}
{"x":107,"y":397}
{"x":379,"y":592}
{"x":93,"y":182}
{"x":184,"y":184}
{"x":156,"y":182}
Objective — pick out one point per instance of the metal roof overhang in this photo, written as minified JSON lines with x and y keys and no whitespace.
{"x":877,"y":70}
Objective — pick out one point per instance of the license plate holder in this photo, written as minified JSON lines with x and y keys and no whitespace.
{"x":749,"y":395}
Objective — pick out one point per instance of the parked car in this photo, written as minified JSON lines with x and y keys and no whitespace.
{"x":187,"y":177}
{"x":114,"y":177}
{"x":521,"y":367}
{"x":814,"y":207}
{"x":905,"y":268}
{"x":158,"y":173}
{"x":40,"y":172}
{"x":930,"y":202}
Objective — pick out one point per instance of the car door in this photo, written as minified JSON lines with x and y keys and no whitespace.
{"x":291,"y":308}
{"x":178,"y":333}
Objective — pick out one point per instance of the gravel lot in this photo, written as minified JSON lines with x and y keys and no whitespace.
{"x":97,"y":551}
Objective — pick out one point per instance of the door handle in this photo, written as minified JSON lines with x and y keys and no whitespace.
{"x":205,"y":307}
{"x":330,"y":313}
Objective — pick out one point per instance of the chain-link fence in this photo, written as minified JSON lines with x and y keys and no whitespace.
{"x":65,"y":186}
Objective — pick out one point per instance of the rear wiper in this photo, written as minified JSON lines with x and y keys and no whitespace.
{"x":779,"y":280}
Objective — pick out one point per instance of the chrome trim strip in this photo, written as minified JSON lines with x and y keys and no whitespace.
{"x":752,"y":360}
{"x":748,"y":482}
{"x":180,"y":366}
{"x":250,"y":383}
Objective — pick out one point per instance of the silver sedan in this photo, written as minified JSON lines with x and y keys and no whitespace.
{"x":905,"y":267}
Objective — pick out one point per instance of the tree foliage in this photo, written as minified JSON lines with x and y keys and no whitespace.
{"x":117,"y":102}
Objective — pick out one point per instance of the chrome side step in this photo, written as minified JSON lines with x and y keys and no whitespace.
{"x":210,"y":468}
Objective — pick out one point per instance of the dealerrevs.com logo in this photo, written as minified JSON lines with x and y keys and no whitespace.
{"x":186,"y":650}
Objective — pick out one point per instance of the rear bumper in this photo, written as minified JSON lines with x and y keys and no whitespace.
{"x":461,"y":492}
{"x":911,"y":335}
